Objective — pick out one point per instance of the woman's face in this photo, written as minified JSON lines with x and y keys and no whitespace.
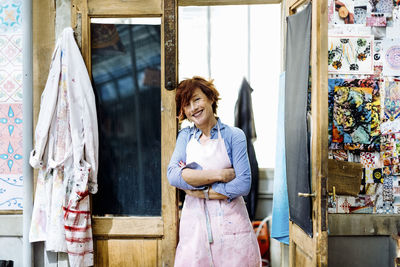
{"x":199,"y":110}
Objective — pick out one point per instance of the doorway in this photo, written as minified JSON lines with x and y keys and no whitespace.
{"x":228,"y":44}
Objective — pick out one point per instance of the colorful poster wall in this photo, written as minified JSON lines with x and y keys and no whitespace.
{"x":364,"y":101}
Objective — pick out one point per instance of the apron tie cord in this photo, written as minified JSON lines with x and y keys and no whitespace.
{"x":208,"y":224}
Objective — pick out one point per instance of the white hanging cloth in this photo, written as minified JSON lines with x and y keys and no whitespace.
{"x":66,"y":154}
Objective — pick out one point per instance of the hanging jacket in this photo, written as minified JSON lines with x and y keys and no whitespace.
{"x":66,"y":154}
{"x":244,"y":119}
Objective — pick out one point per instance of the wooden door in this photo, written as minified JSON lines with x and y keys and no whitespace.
{"x":127,"y":233}
{"x":303,"y":249}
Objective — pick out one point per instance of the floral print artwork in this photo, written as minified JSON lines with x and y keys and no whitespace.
{"x":354,"y":114}
{"x":350,"y":54}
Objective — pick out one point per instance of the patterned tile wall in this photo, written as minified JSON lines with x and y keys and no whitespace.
{"x":11,"y":180}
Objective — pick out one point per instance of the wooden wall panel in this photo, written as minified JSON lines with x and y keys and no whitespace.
{"x":126,"y":252}
{"x":301,"y":258}
{"x":134,"y":226}
{"x":44,"y":14}
{"x":298,"y":236}
{"x":126,"y":7}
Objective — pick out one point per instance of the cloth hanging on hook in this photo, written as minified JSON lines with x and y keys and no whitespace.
{"x":66,"y":154}
{"x":244,"y":119}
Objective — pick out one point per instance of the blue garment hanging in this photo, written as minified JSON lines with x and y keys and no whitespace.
{"x":280,"y":206}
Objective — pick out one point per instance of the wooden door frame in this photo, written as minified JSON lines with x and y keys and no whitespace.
{"x":164,"y":228}
{"x":316,"y":247}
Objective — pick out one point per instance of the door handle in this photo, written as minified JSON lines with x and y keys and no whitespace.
{"x":306,"y":194}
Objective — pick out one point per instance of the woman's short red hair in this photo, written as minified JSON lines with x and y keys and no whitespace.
{"x":184,"y":93}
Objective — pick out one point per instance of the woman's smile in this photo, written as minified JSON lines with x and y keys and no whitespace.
{"x":198,"y":116}
{"x":198,"y":113}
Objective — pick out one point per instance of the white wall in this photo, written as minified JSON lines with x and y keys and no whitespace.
{"x":11,"y":238}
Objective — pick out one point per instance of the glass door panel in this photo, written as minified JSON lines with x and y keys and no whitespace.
{"x":126,"y":71}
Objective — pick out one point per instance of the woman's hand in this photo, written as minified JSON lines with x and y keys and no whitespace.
{"x":227,"y":175}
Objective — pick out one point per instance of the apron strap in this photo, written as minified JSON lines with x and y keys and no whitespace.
{"x":208,"y":224}
{"x":219,"y":132}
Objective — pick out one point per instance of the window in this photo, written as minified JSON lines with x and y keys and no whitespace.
{"x":228,"y":43}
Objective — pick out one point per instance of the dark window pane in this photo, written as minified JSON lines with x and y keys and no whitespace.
{"x":126,"y":73}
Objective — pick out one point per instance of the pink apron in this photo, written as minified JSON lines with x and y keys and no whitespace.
{"x":215,"y":232}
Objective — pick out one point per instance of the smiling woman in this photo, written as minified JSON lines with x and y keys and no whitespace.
{"x":198,"y":111}
{"x":210,"y":163}
{"x":189,"y":100}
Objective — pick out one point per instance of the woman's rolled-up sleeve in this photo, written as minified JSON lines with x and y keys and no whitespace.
{"x":240,"y":186}
{"x":174,"y":172}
